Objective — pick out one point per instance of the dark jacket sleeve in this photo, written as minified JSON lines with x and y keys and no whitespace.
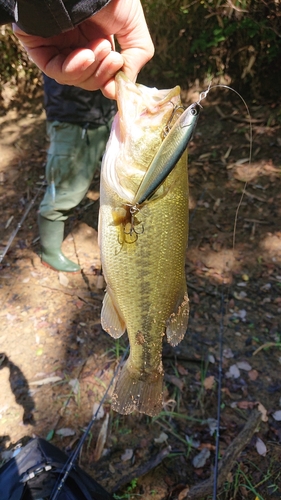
{"x":48,"y":17}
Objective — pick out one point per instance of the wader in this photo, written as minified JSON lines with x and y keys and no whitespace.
{"x":74,"y":154}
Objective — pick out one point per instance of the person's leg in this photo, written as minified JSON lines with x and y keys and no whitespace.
{"x":72,"y":160}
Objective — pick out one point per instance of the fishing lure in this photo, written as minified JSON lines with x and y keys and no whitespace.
{"x":168,"y":154}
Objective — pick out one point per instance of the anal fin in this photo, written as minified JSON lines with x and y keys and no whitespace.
{"x":177,"y":322}
{"x":111,"y":318}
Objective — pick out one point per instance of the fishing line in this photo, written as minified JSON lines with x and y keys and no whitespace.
{"x":202,"y":96}
{"x":72,"y":458}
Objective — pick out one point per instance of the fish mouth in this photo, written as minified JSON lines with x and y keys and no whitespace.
{"x":136,"y":135}
{"x":138,"y":104}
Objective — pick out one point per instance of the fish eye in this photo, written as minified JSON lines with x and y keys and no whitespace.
{"x":193,"y":111}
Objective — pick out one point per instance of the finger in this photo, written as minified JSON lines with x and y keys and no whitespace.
{"x":134,"y":60}
{"x":109,"y":89}
{"x":103,"y":76}
{"x":81,"y":60}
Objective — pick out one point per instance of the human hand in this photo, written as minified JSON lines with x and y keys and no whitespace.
{"x":85,"y":55}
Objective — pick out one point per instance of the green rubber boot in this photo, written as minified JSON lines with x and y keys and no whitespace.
{"x":51,"y":236}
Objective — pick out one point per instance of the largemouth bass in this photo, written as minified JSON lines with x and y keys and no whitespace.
{"x":143,"y":246}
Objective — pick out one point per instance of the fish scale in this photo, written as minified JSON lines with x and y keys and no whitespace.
{"x":145,"y":275}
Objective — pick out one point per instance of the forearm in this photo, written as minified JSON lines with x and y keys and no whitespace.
{"x":47,"y":18}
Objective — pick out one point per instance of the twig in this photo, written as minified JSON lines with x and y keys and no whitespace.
{"x":237,"y":118}
{"x":19,"y":225}
{"x":266,"y":345}
{"x":65,"y":405}
{"x":143,"y":469}
{"x":75,"y":293}
{"x":254,"y":196}
{"x":231,"y":454}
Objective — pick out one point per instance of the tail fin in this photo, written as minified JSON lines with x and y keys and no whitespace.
{"x":132,"y":393}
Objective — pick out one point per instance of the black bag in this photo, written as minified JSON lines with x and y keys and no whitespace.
{"x":34,"y":473}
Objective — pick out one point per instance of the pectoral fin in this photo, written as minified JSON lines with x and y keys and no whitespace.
{"x":111,"y":318}
{"x":177,"y":323}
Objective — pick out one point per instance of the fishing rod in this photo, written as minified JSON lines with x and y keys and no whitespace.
{"x":72,"y":458}
{"x":203,"y":95}
{"x":220,"y":339}
{"x":19,"y":225}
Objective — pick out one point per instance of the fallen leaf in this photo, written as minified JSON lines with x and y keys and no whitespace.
{"x":161,"y":439}
{"x":196,"y":298}
{"x":101,"y":439}
{"x":182,"y":370}
{"x":230,"y":477}
{"x":64,"y":281}
{"x":263,"y":411}
{"x":211,"y":358}
{"x":127,"y":455}
{"x":277,"y":415}
{"x":201,"y":459}
{"x":98,"y":411}
{"x":253,"y":374}
{"x":227,"y":353}
{"x":11,"y":317}
{"x":209,"y":382}
{"x":210,"y":446}
{"x":192,"y":442}
{"x":183,"y":493}
{"x":212,"y":423}
{"x":233,"y":372}
{"x":260,"y":447}
{"x":245,"y":405}
{"x":65,"y":431}
{"x":240,"y":295}
{"x":226,"y":391}
{"x":244,"y":365}
{"x":175,"y":381}
{"x":111,"y":468}
{"x":241,"y":314}
{"x":74,"y":383}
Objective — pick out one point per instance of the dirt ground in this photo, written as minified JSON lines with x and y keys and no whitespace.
{"x":57,"y":363}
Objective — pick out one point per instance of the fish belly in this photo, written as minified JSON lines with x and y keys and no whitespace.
{"x":146,"y":285}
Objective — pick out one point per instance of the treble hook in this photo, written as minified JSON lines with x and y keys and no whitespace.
{"x":167,"y":127}
{"x":133,"y":211}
